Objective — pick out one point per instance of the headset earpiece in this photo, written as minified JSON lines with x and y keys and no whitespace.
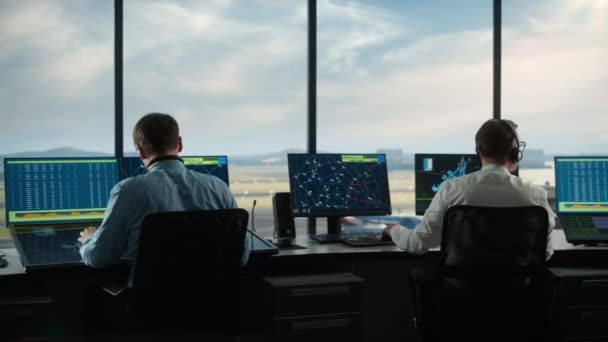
{"x":515,"y":154}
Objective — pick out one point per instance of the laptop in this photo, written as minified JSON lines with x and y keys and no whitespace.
{"x":50,"y":200}
{"x":581,"y":194}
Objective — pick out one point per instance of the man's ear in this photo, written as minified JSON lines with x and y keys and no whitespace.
{"x":180,"y":146}
{"x":142,"y":153}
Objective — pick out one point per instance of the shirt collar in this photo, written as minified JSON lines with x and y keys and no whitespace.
{"x":496,"y":168}
{"x":167,"y":164}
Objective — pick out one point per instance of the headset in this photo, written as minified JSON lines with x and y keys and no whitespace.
{"x":516,"y":154}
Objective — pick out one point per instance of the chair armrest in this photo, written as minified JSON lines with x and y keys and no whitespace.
{"x":114,"y":289}
{"x":113,"y":280}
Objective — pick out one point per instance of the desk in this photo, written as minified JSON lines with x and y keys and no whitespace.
{"x":386,"y":301}
{"x":15,"y":267}
{"x":387,"y":298}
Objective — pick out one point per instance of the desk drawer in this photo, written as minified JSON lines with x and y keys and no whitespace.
{"x":587,"y":291}
{"x":322,"y":297}
{"x":341,"y":327}
{"x":591,"y":321}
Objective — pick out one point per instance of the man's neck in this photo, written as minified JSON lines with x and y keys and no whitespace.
{"x":488,"y":163}
{"x":152,"y":160}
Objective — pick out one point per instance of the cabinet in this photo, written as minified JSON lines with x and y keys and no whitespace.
{"x":580,"y":309}
{"x":315,"y":306}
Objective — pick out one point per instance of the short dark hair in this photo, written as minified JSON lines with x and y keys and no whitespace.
{"x":495,"y":139}
{"x":156,"y":133}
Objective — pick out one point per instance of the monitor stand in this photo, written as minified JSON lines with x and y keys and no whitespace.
{"x":334,"y":231}
{"x":333,"y":225}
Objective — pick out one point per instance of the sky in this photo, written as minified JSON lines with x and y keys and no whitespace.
{"x":414,"y":75}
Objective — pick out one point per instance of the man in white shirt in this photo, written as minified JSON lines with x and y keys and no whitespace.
{"x":500,"y":149}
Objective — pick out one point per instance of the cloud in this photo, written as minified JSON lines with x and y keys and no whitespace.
{"x":554,"y":75}
{"x":436,"y":86}
{"x":59,"y":55}
{"x":234,"y":74}
{"x":346,"y":29}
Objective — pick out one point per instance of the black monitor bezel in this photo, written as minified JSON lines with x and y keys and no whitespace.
{"x":556,"y":192}
{"x":345,"y":212}
{"x":24,"y":224}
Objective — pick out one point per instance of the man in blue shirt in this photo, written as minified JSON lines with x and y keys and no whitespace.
{"x":167,"y":186}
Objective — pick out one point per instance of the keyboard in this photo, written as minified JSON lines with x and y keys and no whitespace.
{"x":577,"y":221}
{"x":50,"y":246}
{"x":327,"y":238}
{"x":365,"y":239}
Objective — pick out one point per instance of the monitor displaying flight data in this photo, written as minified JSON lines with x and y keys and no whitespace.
{"x":57,"y":190}
{"x":433,"y":169}
{"x":581,"y":185}
{"x":338,"y":185}
{"x":212,"y":165}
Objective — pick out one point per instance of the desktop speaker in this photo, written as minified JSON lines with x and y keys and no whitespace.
{"x":284,"y":225}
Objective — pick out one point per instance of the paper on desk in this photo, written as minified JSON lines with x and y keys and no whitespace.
{"x":367,"y":228}
{"x":14,"y":262}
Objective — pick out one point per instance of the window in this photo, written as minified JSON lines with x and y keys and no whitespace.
{"x":403,"y":77}
{"x":233,"y":74}
{"x":555,"y":79}
{"x":57,"y":80}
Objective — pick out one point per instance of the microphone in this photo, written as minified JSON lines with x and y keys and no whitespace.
{"x":252,"y":216}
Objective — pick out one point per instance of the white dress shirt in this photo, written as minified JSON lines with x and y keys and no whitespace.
{"x":492,"y":186}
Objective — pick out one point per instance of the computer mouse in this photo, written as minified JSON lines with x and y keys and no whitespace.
{"x":3,"y":263}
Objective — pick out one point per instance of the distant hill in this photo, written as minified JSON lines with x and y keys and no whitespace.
{"x":274,"y":158}
{"x":55,"y":152}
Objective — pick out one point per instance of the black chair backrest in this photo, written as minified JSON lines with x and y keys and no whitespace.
{"x":490,"y":238}
{"x":189,"y":261}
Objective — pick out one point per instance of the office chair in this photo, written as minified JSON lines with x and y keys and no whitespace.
{"x":186,"y":274}
{"x":490,"y":279}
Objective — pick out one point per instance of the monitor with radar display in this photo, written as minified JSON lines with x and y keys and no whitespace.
{"x":433,"y":169}
{"x":337,"y":185}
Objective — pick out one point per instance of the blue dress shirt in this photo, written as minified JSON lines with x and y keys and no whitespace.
{"x":168,"y":186}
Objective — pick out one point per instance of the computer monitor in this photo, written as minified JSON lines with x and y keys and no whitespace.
{"x":581,"y":185}
{"x":57,"y":190}
{"x":212,"y":165}
{"x":433,"y":169}
{"x":581,"y":196}
{"x":336,"y":185}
